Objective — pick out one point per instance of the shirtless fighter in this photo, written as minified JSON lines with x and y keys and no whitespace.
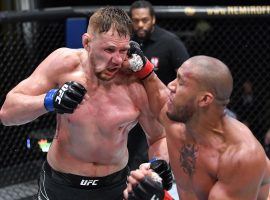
{"x":213,"y":156}
{"x":97,"y":105}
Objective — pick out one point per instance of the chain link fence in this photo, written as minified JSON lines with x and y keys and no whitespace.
{"x":23,"y":46}
{"x":240,"y":42}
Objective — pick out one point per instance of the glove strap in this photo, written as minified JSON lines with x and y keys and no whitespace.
{"x":167,"y":196}
{"x":153,"y":159}
{"x":145,"y":71}
{"x":48,"y":100}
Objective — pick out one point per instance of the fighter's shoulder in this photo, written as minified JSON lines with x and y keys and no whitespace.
{"x":135,"y":89}
{"x":239,"y":131}
{"x":66,"y":57}
{"x":248,"y":153}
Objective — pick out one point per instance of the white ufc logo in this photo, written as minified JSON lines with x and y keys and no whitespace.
{"x":88,"y":182}
{"x":61,"y":93}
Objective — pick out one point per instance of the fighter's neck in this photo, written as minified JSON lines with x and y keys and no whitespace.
{"x":203,"y":130}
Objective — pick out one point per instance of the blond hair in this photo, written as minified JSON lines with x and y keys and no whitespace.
{"x":110,"y":17}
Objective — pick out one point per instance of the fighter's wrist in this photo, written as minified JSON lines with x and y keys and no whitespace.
{"x":48,"y":100}
{"x":153,"y":159}
{"x":147,"y":69}
{"x":167,"y":196}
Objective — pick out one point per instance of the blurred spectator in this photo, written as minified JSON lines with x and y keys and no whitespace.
{"x":266,"y":143}
{"x":250,"y":111}
{"x":246,"y":107}
{"x":247,"y":101}
{"x":166,"y":51}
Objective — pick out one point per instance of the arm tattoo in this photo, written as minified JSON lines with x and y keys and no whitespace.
{"x":188,"y":156}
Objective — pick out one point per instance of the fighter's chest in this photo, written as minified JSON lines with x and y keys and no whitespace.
{"x":106,"y":108}
{"x":196,"y":167}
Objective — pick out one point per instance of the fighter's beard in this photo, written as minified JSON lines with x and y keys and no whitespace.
{"x":181,"y":116}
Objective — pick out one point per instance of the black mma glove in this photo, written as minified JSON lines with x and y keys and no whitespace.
{"x":163,"y":169}
{"x":65,"y":99}
{"x":138,"y":62}
{"x":147,"y":189}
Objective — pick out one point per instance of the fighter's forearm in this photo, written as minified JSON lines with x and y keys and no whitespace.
{"x":20,"y":109}
{"x":143,"y":69}
{"x":159,"y":150}
{"x":157,"y":93}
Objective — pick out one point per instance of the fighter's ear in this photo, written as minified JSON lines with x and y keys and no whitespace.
{"x":205,"y":99}
{"x":86,"y":39}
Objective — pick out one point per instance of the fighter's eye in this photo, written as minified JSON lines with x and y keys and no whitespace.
{"x":109,"y":50}
{"x":123,"y":51}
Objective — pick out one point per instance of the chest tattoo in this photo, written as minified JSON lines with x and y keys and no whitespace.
{"x":188,"y":156}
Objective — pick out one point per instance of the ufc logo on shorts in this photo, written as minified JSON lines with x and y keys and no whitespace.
{"x":88,"y":182}
{"x":61,"y":93}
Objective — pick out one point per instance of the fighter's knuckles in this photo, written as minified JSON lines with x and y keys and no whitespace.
{"x":144,"y":166}
{"x":132,"y":180}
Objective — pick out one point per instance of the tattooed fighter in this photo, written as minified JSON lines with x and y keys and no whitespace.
{"x":212,"y":155}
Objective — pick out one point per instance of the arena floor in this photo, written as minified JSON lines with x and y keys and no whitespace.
{"x":22,"y":191}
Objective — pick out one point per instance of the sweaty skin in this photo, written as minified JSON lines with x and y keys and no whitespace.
{"x":212,"y":155}
{"x":93,"y":140}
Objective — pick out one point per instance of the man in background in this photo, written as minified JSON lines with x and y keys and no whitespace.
{"x":162,"y":48}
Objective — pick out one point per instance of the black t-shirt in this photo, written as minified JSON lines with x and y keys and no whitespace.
{"x":166,"y":51}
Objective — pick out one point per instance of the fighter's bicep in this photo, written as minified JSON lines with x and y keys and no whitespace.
{"x":232,"y":191}
{"x":37,"y":83}
{"x":32,"y":86}
{"x":148,"y":119}
{"x":45,"y":76}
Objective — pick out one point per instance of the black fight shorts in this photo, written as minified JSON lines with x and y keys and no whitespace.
{"x":54,"y":185}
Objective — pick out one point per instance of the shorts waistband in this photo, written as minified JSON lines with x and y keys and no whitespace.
{"x":85,"y":182}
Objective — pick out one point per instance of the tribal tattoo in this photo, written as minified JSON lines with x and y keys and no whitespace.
{"x":188,"y":156}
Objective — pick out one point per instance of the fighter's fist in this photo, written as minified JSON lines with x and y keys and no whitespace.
{"x":138,"y":63}
{"x":66,"y":98}
{"x":137,"y":59}
{"x":147,"y":189}
{"x":163,"y":169}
